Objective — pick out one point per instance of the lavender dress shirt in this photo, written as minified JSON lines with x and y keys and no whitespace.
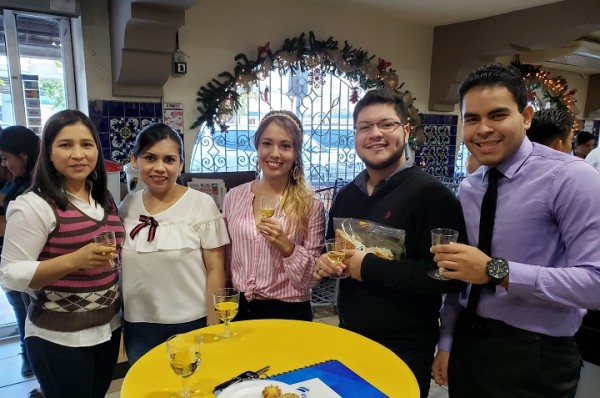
{"x":548,"y":228}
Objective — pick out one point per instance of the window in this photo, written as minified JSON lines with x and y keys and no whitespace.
{"x":36,"y":72}
{"x":36,"y":80}
{"x":321,"y":102}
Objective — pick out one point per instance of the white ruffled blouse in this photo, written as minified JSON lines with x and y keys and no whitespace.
{"x":164,"y":279}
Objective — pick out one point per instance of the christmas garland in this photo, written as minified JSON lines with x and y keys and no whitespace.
{"x":220,"y":98}
{"x":555,"y":90}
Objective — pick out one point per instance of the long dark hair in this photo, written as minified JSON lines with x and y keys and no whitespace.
{"x":47,"y":182}
{"x":20,"y":140}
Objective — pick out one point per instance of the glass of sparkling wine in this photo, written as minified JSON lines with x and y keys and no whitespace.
{"x":226,"y":303}
{"x":184,"y":357}
{"x":107,"y":238}
{"x":268,"y":206}
{"x":441,"y":236}
{"x":335,"y":252}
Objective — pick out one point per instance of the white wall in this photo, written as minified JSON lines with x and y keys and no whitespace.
{"x":217,"y":30}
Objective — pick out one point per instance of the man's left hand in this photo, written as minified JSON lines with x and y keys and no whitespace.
{"x":353,"y":262}
{"x":462,"y":262}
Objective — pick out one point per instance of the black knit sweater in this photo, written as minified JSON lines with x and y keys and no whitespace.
{"x":397,"y":304}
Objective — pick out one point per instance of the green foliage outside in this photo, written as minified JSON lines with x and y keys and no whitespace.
{"x":55,"y":90}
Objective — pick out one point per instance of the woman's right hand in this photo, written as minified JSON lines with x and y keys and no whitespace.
{"x":93,"y":255}
{"x":89,"y":256}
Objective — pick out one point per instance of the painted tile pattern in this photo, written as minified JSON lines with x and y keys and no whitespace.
{"x":437,"y":155}
{"x":119,"y":122}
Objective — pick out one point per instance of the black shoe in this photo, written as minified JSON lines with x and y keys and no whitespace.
{"x":35,"y":394}
{"x":26,"y":370}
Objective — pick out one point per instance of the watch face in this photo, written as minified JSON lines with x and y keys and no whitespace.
{"x":497,"y":269}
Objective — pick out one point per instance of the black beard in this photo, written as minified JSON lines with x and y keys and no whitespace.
{"x":387,"y":163}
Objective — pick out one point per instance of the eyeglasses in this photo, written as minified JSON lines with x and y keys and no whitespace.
{"x":385,"y":126}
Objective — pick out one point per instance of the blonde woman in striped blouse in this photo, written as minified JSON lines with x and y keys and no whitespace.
{"x":271,"y":259}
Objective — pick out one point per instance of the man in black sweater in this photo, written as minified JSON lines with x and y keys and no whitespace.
{"x":393,"y":302}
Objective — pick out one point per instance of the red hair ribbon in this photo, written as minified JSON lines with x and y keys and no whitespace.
{"x":145,"y":221}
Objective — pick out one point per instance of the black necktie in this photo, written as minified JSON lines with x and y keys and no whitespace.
{"x":486,"y":230}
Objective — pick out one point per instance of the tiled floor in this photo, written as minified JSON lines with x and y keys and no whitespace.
{"x":13,"y":385}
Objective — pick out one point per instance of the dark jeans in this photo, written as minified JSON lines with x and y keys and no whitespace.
{"x":273,"y":309}
{"x":141,"y":337}
{"x":490,"y":359}
{"x":74,"y":372}
{"x":19,"y":303}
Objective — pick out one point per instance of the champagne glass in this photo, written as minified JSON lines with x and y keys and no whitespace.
{"x":335,"y":252}
{"x":107,"y":238}
{"x":268,"y":206}
{"x":226,"y":303}
{"x":184,"y":357}
{"x":441,"y":236}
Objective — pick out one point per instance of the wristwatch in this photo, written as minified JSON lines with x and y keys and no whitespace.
{"x":496,"y":269}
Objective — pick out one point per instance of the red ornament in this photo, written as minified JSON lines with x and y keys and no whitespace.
{"x":354,"y":96}
{"x":383,"y":65}
{"x":264,"y":49}
{"x":531,"y":96}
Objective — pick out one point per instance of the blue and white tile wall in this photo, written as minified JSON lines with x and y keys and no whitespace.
{"x":437,"y":155}
{"x":119,"y":122}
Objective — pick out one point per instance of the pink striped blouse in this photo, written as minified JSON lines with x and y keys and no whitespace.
{"x":259,"y":268}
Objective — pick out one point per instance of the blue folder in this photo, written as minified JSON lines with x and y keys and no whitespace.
{"x":336,"y":375}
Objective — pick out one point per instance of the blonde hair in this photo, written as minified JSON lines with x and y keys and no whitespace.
{"x":297,"y":199}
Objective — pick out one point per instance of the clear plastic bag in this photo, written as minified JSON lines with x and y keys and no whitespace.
{"x":381,"y":240}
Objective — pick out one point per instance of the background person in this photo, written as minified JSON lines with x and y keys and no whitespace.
{"x":173,"y":255}
{"x":593,"y":158}
{"x":72,"y":330}
{"x":583,"y":144}
{"x":19,"y":149}
{"x":393,"y":302}
{"x":553,"y":128}
{"x":543,"y":268}
{"x":272,"y":259}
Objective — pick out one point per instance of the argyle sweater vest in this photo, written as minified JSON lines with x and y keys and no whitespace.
{"x":85,"y":298}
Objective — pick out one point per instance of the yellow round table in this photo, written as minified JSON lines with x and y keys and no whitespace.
{"x":283,"y":345}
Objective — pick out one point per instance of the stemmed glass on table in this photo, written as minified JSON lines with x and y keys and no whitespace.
{"x":441,"y":236}
{"x":226,"y":303}
{"x":184,"y":357}
{"x":335,"y":252}
{"x":268,"y":206}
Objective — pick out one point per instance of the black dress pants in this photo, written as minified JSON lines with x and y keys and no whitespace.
{"x":490,"y":359}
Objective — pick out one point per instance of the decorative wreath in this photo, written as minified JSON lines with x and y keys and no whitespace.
{"x":219,"y":99}
{"x":554,"y":91}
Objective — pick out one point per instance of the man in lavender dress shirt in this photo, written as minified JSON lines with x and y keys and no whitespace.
{"x":545,"y":269}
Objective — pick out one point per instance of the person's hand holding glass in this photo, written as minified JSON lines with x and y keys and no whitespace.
{"x":226,"y":302}
{"x":184,"y":357}
{"x":441,"y":236}
{"x":108,"y":238}
{"x":268,"y":206}
{"x":335,"y":252}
